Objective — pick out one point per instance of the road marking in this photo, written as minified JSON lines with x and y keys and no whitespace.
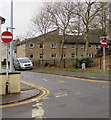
{"x":38,"y":111}
{"x":45,"y":80}
{"x":82,"y":79}
{"x":61,"y":95}
{"x":45,"y":93}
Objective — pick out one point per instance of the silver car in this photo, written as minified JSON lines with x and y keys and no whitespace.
{"x":22,"y":63}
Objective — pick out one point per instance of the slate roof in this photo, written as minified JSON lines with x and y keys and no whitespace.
{"x":93,"y":39}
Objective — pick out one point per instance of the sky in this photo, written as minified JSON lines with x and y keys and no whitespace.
{"x":23,"y":12}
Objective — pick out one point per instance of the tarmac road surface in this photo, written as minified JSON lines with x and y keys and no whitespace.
{"x":69,"y":98}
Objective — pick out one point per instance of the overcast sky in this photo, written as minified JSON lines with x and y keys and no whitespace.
{"x":23,"y":11}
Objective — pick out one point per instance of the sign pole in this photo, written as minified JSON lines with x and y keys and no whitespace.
{"x":104,"y":60}
{"x":7,"y":72}
{"x":104,"y":44}
{"x":0,"y":49}
{"x":7,"y":37}
{"x":11,"y":43}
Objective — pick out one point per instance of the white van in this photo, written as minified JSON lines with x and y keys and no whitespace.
{"x":22,"y":63}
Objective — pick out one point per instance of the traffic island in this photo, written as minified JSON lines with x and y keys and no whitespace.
{"x":12,"y":85}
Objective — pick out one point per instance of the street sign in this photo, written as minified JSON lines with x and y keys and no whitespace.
{"x":6,"y":37}
{"x":104,"y":43}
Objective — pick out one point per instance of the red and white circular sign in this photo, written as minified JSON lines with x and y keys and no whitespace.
{"x":6,"y":37}
{"x":104,"y":43}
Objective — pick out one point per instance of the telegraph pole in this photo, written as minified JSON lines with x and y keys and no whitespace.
{"x":11,"y":43}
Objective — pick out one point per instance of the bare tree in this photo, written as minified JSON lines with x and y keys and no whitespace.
{"x":42,"y":23}
{"x":88,"y":10}
{"x":76,"y":29}
{"x":61,"y":14}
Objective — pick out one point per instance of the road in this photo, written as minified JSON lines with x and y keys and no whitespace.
{"x":69,"y":98}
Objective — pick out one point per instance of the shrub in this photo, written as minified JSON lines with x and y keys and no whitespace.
{"x":88,"y":62}
{"x":46,"y":64}
{"x":76,"y":63}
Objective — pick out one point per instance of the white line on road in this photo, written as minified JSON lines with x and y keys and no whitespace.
{"x":44,"y":79}
{"x":61,"y":95}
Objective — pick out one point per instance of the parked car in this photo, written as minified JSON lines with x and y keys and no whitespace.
{"x":22,"y":63}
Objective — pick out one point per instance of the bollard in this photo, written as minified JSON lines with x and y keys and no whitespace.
{"x":7,"y":88}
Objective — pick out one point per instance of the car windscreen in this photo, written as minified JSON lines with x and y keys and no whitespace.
{"x":24,"y":60}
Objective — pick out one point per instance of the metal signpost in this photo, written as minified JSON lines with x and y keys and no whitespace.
{"x":7,"y":37}
{"x":104,"y":44}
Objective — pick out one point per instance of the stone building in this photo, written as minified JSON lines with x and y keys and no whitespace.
{"x":73,"y":47}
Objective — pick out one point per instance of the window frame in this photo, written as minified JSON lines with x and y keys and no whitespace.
{"x":30,"y":56}
{"x":97,"y":47}
{"x":30,"y":44}
{"x":41,"y":47}
{"x":53,"y":54}
{"x":82,"y":46}
{"x":73,"y":54}
{"x":40,"y":55}
{"x":73,"y":47}
{"x":64,"y":56}
{"x":90,"y":46}
{"x":54,"y":45}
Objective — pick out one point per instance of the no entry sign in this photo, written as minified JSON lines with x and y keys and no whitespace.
{"x":7,"y":37}
{"x":104,"y":43}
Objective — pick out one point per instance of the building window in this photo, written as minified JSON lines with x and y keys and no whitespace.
{"x":41,"y":46}
{"x":90,"y":46}
{"x":97,"y":47}
{"x":31,"y":56}
{"x":53,"y":55}
{"x":81,"y":55}
{"x":82,"y":46}
{"x":41,"y":56}
{"x":107,"y":46}
{"x":31,"y":45}
{"x":73,"y":47}
{"x":64,"y":55}
{"x":90,"y":55}
{"x":63,"y":46}
{"x":53,"y":45}
{"x":73,"y":56}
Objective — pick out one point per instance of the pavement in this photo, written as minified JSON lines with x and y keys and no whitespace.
{"x":28,"y":92}
{"x":94,"y":76}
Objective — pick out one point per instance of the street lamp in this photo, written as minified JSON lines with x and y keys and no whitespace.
{"x":2,"y":21}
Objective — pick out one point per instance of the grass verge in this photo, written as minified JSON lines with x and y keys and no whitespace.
{"x":76,"y":70}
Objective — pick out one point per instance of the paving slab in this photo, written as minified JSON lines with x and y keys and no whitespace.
{"x":27,"y":92}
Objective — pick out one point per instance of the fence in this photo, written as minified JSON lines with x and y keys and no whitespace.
{"x":99,"y":61}
{"x":65,"y":63}
{"x":71,"y":63}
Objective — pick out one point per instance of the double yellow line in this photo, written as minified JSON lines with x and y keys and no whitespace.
{"x":45,"y":92}
{"x":75,"y":78}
